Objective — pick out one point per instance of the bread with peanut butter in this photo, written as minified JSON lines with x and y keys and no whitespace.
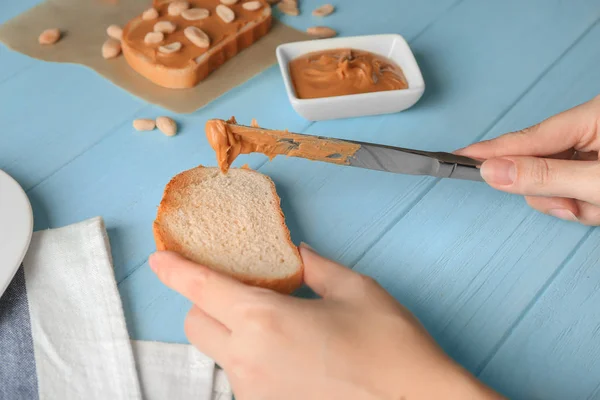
{"x":176,"y":44}
{"x":231,"y":223}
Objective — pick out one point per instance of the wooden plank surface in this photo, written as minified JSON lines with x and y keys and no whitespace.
{"x":486,"y":275}
{"x":554,"y":351}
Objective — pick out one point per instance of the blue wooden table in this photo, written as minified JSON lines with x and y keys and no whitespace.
{"x":511,"y":294}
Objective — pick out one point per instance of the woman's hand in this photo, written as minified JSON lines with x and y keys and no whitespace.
{"x":554,"y":164}
{"x":356,"y":342}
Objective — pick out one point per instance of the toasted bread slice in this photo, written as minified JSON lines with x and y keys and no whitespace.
{"x":191,"y":64}
{"x":231,"y":223}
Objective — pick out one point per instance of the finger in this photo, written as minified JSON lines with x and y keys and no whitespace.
{"x":207,"y":334}
{"x":558,"y":207}
{"x":589,"y":214}
{"x":567,"y":209}
{"x":532,"y":176}
{"x":576,"y":128}
{"x":323,"y":276}
{"x":214,"y":293}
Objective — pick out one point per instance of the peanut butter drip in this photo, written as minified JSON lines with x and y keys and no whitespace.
{"x":342,"y":72}
{"x":229,"y":140}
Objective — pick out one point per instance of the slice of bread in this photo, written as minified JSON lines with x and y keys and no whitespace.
{"x":231,"y":223}
{"x":191,"y":64}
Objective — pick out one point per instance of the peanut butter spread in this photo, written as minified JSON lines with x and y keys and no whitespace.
{"x":342,"y":72}
{"x":213,"y":25}
{"x":229,"y":140}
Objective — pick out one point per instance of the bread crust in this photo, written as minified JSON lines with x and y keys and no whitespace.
{"x":193,"y":73}
{"x":286,"y":285}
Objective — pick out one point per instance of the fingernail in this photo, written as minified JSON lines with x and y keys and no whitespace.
{"x":563,"y":214}
{"x":306,"y":246}
{"x":499,"y":171}
{"x":152,"y":262}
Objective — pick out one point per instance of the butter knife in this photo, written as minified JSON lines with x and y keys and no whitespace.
{"x":353,"y":153}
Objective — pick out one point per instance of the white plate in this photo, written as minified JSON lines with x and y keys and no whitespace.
{"x":392,"y":46}
{"x":16,"y":227}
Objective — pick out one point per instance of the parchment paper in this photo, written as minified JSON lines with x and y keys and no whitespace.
{"x":83,"y":24}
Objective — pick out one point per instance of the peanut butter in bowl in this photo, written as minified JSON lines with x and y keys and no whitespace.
{"x":348,"y":77}
{"x":342,"y":72}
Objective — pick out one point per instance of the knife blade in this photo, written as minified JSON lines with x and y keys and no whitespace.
{"x":414,"y":162}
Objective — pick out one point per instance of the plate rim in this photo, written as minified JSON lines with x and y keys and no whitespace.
{"x":11,"y":274}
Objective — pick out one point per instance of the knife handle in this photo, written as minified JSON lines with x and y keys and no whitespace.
{"x":460,"y":167}
{"x":450,"y":158}
{"x":465,"y":172}
{"x":454,"y":166}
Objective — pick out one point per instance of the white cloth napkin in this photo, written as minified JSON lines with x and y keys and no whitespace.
{"x":81,"y":345}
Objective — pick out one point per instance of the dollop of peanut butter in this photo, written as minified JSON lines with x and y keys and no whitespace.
{"x":343,"y":72}
{"x":229,"y":140}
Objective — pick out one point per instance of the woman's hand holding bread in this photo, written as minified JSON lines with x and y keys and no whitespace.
{"x":355,"y":342}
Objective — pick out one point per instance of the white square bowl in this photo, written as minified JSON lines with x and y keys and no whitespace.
{"x":392,"y":46}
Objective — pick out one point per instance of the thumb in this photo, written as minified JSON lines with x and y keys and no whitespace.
{"x":532,"y":176}
{"x":323,"y":276}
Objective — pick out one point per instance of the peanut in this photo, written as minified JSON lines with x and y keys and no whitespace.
{"x":229,"y":2}
{"x":144,"y":124}
{"x":225,"y":13}
{"x":252,"y":5}
{"x":111,"y":48}
{"x":195,"y":14}
{"x":324,"y":10}
{"x":321,"y":32}
{"x":177,"y":7}
{"x":149,"y":14}
{"x":288,"y":9}
{"x":49,"y":36}
{"x":170,"y":48}
{"x":197,"y":36}
{"x":164,"y":27}
{"x":154,"y":37}
{"x":115,"y":32}
{"x":167,"y":126}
